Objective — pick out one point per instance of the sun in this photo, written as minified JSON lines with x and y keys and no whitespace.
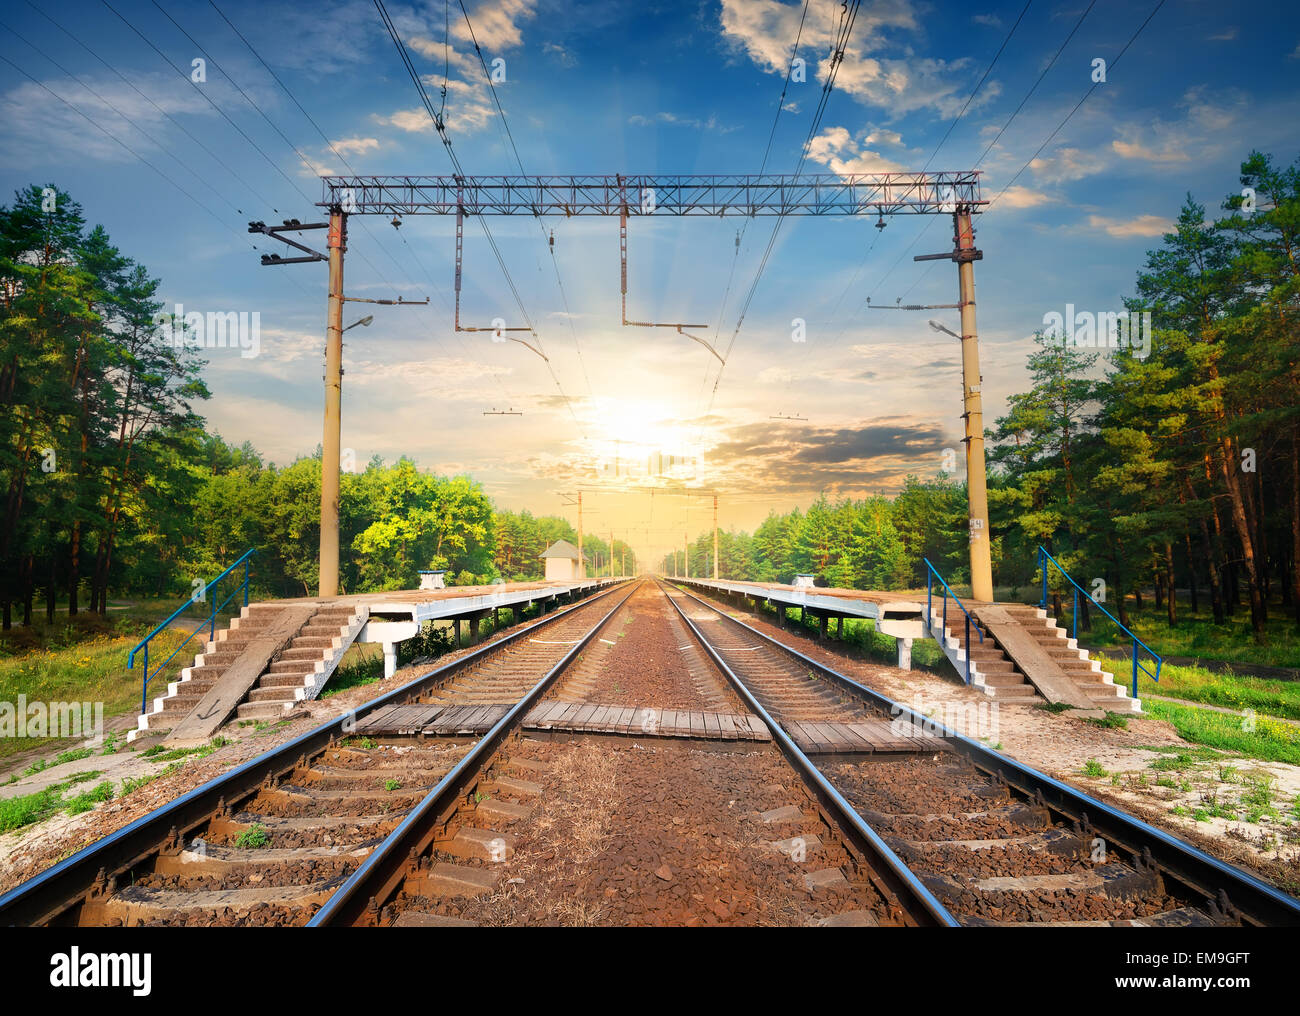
{"x":627,"y":433}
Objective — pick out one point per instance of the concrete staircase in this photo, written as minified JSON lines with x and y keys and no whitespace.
{"x":303,"y":667}
{"x":298,"y":673}
{"x":997,"y":675}
{"x":991,"y":670}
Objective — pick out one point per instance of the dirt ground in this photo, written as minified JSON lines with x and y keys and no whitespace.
{"x":614,"y":843}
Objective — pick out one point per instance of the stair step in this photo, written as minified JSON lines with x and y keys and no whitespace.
{"x":292,"y":666}
{"x":281,"y":681}
{"x":278,"y":694}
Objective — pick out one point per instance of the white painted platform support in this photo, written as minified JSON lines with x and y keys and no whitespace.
{"x":389,"y":633}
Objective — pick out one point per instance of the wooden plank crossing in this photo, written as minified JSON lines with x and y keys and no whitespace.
{"x":645,"y":721}
{"x":865,"y":737}
{"x":437,"y":721}
{"x":566,"y":717}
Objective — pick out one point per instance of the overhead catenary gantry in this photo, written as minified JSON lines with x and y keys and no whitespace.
{"x":827,"y":194}
{"x":955,"y":193}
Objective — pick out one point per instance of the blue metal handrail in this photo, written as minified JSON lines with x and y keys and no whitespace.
{"x":1044,"y":557}
{"x":211,"y":622}
{"x":929,"y":612}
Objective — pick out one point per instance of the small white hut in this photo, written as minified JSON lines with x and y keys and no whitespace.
{"x":563,"y":562}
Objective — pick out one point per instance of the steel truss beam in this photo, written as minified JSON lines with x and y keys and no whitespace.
{"x":736,"y":194}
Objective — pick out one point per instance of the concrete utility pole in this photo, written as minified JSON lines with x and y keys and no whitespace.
{"x":981,"y":567}
{"x":965,"y":254}
{"x":686,"y":554}
{"x":715,"y":537}
{"x":582,"y":567}
{"x":328,"y":583}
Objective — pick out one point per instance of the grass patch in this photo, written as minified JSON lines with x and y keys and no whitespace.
{"x":1179,"y":762}
{"x":1053,"y":707}
{"x":91,"y":670}
{"x":1093,"y":768}
{"x":131,"y":784}
{"x":72,"y":755}
{"x":1112,"y":721}
{"x":1198,"y":636}
{"x":1268,"y":741}
{"x":862,"y":636}
{"x":27,"y":809}
{"x":1232,"y":691}
{"x":88,"y":799}
{"x":361,"y":665}
{"x":253,"y":837}
{"x":159,"y":754}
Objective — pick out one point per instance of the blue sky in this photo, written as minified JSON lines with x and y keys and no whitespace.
{"x":641,"y":88}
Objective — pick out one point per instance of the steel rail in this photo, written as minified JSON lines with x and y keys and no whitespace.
{"x":383,"y":870}
{"x":61,"y":888}
{"x":919,"y":904}
{"x":1258,"y":902}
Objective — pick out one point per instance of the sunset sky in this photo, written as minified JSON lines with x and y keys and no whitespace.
{"x":608,"y":88}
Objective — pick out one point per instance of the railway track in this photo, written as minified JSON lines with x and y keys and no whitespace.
{"x":444,"y":865}
{"x":641,"y":758}
{"x":271,"y":841}
{"x":994,"y":842}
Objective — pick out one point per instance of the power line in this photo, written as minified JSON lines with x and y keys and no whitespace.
{"x":343,"y":159}
{"x":550,"y":245}
{"x":162,"y":147}
{"x":848,"y":18}
{"x":1002,"y":130}
{"x":451,"y":154}
{"x":969,"y":99}
{"x":215,"y":157}
{"x":1132,"y":39}
{"x":771,"y":135}
{"x":1050,"y":64}
{"x":1059,"y":126}
{"x":274,"y":165}
{"x":115,"y":139}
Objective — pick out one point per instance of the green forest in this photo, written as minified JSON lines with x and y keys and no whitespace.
{"x":113,"y":486}
{"x":1177,"y":471}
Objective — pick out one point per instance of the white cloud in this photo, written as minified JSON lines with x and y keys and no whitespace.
{"x":1150,"y":148}
{"x":38,"y":125}
{"x":1068,"y":163}
{"x":355,"y":146}
{"x":871,"y":72}
{"x":566,"y":58}
{"x":1022,"y":197}
{"x":497,"y":29}
{"x":836,"y":149}
{"x":496,"y":23}
{"x":1143,"y":225}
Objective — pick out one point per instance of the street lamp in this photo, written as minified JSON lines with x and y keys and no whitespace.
{"x":370,"y":317}
{"x":940,"y":328}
